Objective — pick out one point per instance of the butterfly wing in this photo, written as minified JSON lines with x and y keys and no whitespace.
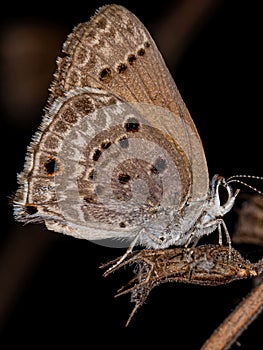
{"x":109,"y":62}
{"x":115,"y":52}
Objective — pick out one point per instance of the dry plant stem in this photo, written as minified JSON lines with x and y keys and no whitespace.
{"x":234,"y":325}
{"x":205,"y":265}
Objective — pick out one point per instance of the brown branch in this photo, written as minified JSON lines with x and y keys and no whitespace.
{"x":208,"y":264}
{"x":246,"y":312}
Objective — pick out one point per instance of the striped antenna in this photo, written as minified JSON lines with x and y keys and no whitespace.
{"x":236,"y":178}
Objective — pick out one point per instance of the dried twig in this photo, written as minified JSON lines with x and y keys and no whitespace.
{"x":249,"y":229}
{"x":232,"y":327}
{"x":206,"y":265}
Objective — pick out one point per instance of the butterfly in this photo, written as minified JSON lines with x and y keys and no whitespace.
{"x":117,"y":157}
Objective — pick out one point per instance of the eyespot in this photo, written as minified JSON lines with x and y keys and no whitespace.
{"x":105,"y":75}
{"x":147,"y":44}
{"x":102,"y":23}
{"x":92,"y":174}
{"x":31,"y":209}
{"x":141,"y":52}
{"x":96,"y":155}
{"x":89,"y":199}
{"x":122,"y":68}
{"x":132,"y":125}
{"x":124,"y":142}
{"x":51,"y":166}
{"x":159,"y":166}
{"x":124,"y":178}
{"x":105,"y":144}
{"x":131,"y":59}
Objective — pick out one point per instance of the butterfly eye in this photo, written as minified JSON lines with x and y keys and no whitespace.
{"x":223,"y":195}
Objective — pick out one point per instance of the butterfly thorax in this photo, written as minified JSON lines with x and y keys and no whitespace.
{"x":197,"y":218}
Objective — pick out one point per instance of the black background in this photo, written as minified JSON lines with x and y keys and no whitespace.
{"x":66,"y":301}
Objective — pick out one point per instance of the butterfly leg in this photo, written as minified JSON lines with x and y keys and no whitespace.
{"x":227,"y":237}
{"x":124,"y":256}
{"x":143,"y":231}
{"x":220,"y":222}
{"x":190,"y":239}
{"x":220,"y":235}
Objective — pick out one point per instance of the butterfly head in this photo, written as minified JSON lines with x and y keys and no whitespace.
{"x":217,"y":183}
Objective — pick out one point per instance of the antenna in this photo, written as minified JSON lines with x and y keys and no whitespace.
{"x":236,"y":178}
